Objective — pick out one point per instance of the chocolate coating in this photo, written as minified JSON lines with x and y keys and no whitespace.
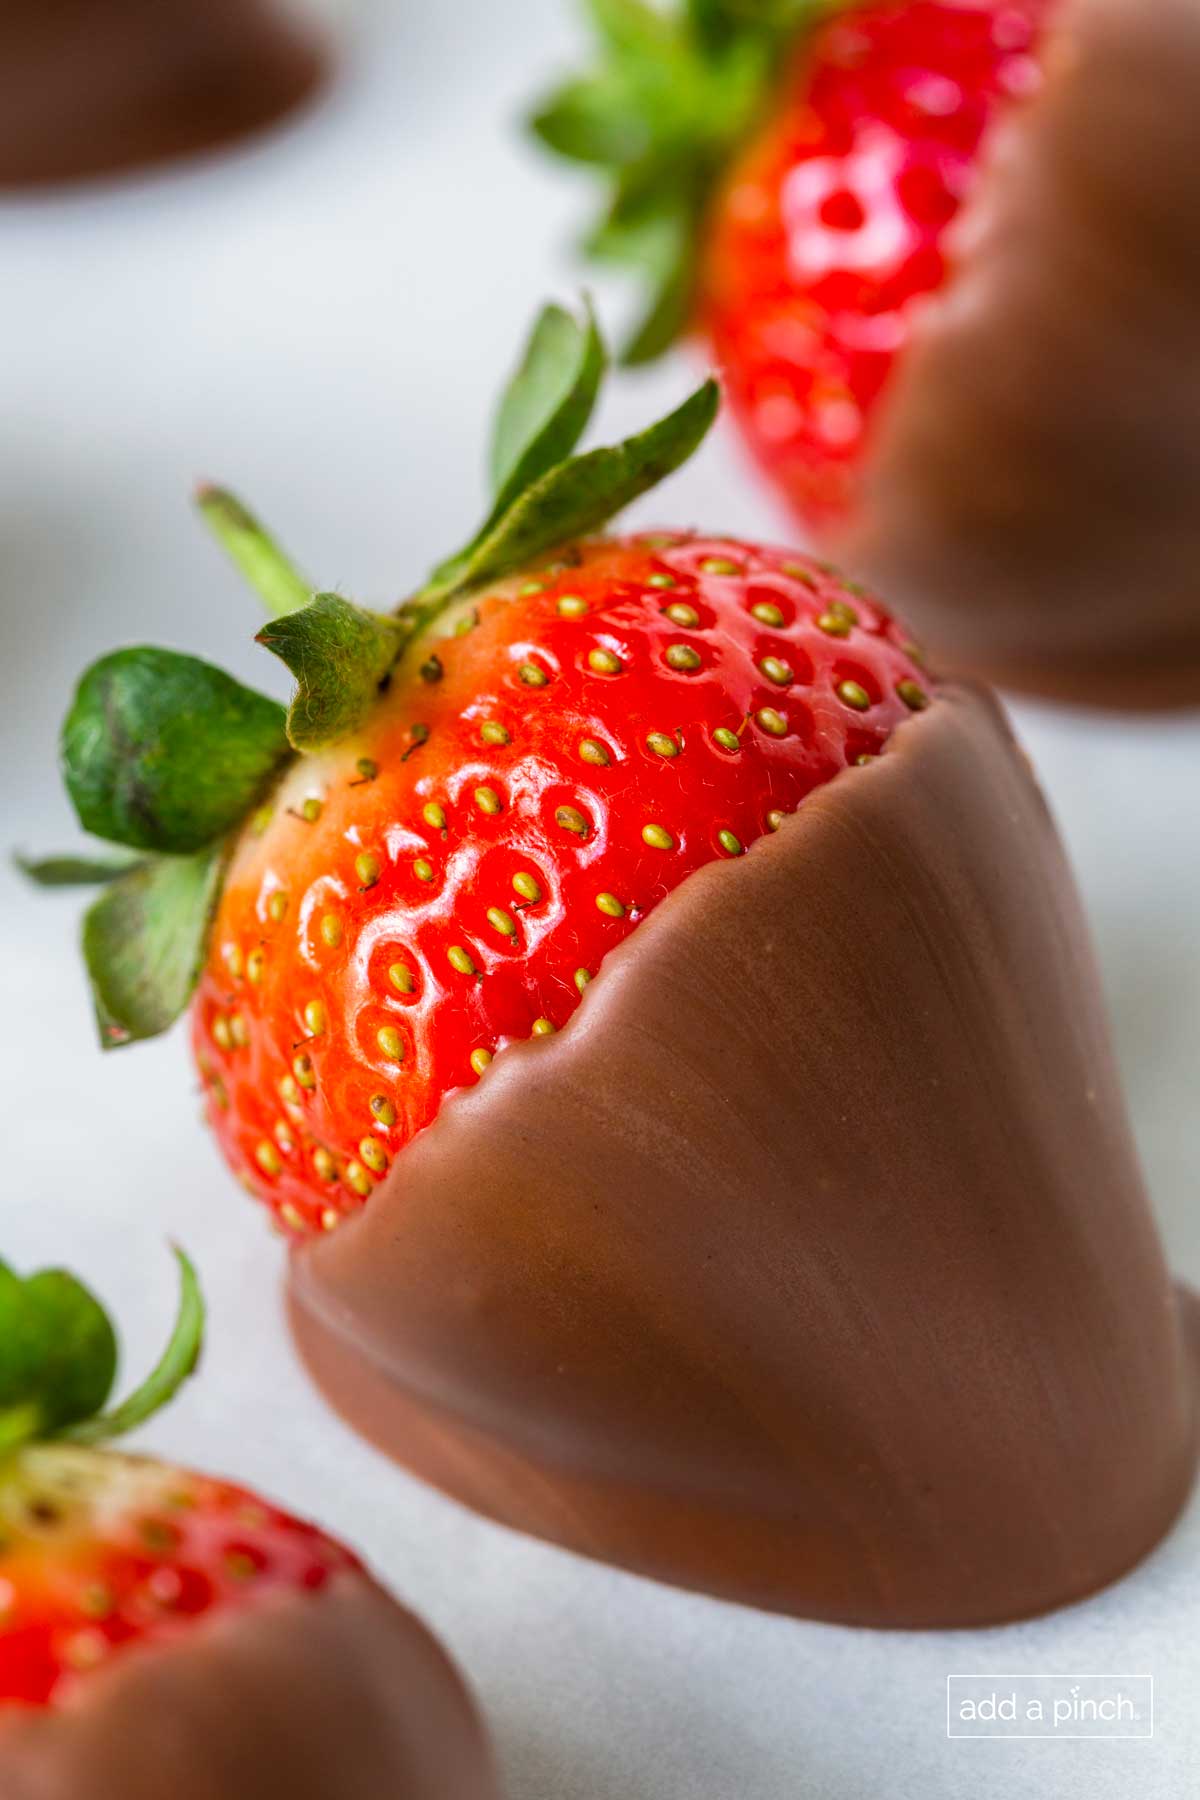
{"x":340,"y":1695}
{"x":810,"y":1264}
{"x":1032,"y":504}
{"x":91,"y":87}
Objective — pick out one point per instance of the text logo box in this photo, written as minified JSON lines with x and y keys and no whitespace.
{"x":1050,"y":1706}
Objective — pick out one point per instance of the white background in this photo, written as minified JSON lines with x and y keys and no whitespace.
{"x":322,"y":322}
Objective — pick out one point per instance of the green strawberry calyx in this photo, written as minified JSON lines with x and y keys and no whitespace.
{"x":58,"y":1360}
{"x":671,"y":97}
{"x":167,"y":756}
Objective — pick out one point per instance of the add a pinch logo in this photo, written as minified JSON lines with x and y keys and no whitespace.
{"x":1050,"y":1706}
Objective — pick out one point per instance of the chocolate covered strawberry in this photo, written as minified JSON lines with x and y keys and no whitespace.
{"x":786,"y":175}
{"x":100,"y":1552}
{"x":165,"y":1632}
{"x":470,"y":803}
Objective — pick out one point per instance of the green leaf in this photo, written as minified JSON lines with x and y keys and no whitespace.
{"x":660,"y":240}
{"x":276,"y":580}
{"x":339,"y":654}
{"x":58,"y":1359}
{"x":632,"y":27}
{"x":600,"y":119}
{"x":144,"y":941}
{"x":675,"y":91}
{"x":178,"y":1361}
{"x":785,"y":17}
{"x":547,"y":405}
{"x":73,"y":871}
{"x":164,"y":752}
{"x":58,"y":1354}
{"x":711,"y":20}
{"x":543,"y":414}
{"x":666,"y":313}
{"x":580,"y":496}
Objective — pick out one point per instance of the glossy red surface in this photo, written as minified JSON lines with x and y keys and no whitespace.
{"x":100,"y":1552}
{"x":371,"y":958}
{"x":830,"y":229}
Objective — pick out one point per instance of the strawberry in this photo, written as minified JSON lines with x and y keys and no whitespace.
{"x":101,"y":1552}
{"x":787,"y":179}
{"x":494,"y":787}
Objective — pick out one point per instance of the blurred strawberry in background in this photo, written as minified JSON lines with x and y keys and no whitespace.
{"x":941,"y":252}
{"x":784,"y":175}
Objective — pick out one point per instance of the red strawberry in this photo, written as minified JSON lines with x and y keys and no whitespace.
{"x":98,"y":1551}
{"x":562,"y":741}
{"x":602,"y":729}
{"x":788,"y":180}
{"x":105,"y":1551}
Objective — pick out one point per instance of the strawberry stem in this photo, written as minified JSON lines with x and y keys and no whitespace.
{"x":273,"y":576}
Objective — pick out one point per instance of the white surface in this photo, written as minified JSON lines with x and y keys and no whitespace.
{"x":322,"y":322}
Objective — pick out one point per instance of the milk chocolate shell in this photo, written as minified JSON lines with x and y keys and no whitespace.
{"x":91,"y":87}
{"x":1033,"y":501}
{"x":336,"y":1696}
{"x":810,"y":1264}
